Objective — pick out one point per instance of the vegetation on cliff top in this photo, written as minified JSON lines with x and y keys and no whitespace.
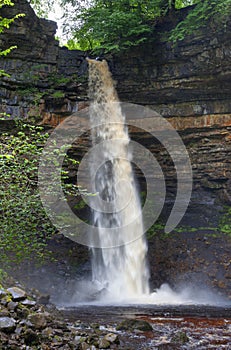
{"x":115,"y":25}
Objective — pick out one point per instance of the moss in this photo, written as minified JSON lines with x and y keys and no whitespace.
{"x":56,"y":80}
{"x":3,"y":277}
{"x":58,"y":94}
{"x":156,"y":229}
{"x":225,"y":221}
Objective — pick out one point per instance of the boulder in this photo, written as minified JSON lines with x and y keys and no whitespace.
{"x":7,"y":324}
{"x":132,"y":325}
{"x":18,"y":294}
{"x":180,"y":338}
{"x":85,"y":346}
{"x":44,"y":299}
{"x":112,"y":338}
{"x":38,"y":321}
{"x":28,"y":303}
{"x":104,"y":344}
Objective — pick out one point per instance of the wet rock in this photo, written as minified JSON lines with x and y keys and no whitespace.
{"x":85,"y":346}
{"x":180,"y":338}
{"x":95,"y":325}
{"x":19,"y":330}
{"x":7,"y":324}
{"x":26,"y":323}
{"x":44,"y":299}
{"x":104,"y":344}
{"x":4,"y":312}
{"x":77,"y":339}
{"x":131,"y":325}
{"x":31,"y":337}
{"x":17,"y":293}
{"x":38,"y":321}
{"x":2,"y":293}
{"x":112,"y":338}
{"x":93,"y":340}
{"x":47,"y":332}
{"x":28,"y":302}
{"x":12,"y":305}
{"x":168,"y":346}
{"x":5,"y":300}
{"x":22,"y":311}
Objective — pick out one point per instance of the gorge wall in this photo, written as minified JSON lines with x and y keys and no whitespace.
{"x":188,"y":83}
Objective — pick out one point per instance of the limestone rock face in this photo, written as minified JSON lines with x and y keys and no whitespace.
{"x":37,"y":67}
{"x":34,"y":36}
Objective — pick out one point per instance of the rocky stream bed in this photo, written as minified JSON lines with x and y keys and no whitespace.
{"x":26,"y":323}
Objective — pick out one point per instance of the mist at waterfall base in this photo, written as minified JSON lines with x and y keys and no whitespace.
{"x":120,"y":273}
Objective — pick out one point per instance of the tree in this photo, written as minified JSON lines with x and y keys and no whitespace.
{"x":114,"y":25}
{"x":118,"y":24}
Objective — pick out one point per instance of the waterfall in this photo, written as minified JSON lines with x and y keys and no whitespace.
{"x":119,"y":266}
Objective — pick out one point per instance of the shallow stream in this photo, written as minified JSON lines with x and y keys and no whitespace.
{"x":200,"y":327}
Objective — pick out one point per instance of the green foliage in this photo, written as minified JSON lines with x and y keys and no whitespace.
{"x":115,"y":25}
{"x":25,"y":228}
{"x":111,"y":25}
{"x":7,"y":51}
{"x":3,"y":74}
{"x":42,"y":8}
{"x":119,"y":24}
{"x":58,"y":94}
{"x":217,"y":10}
{"x":225,"y":221}
{"x":157,"y":229}
{"x":3,"y":276}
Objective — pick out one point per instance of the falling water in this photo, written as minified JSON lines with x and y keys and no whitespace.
{"x":119,"y":267}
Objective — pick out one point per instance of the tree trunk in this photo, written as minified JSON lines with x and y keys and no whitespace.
{"x":172,"y":4}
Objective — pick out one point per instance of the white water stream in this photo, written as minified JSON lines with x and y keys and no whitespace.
{"x":120,"y":270}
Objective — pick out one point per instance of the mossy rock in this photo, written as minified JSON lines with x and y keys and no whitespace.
{"x":180,"y":338}
{"x":132,"y":325}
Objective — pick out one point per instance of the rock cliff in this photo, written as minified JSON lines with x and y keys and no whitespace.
{"x":188,"y":83}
